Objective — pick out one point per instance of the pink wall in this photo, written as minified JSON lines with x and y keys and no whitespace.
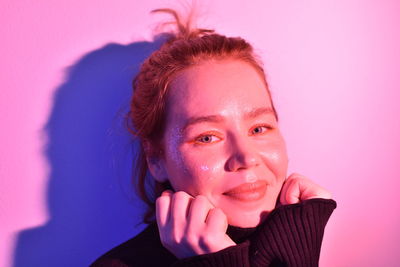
{"x":66,"y":66}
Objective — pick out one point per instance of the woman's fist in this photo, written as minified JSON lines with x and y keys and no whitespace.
{"x":189,"y":225}
{"x":298,"y":188}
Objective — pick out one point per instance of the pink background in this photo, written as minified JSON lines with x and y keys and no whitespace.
{"x":66,"y":68}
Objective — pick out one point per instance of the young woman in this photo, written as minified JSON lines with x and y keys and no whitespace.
{"x":210,"y":139}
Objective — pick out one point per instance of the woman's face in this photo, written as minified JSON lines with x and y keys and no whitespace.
{"x":222,"y":140}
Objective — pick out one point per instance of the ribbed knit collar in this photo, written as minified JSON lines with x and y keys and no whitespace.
{"x":239,"y":234}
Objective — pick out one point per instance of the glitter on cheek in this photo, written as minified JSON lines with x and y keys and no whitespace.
{"x":214,"y":170}
{"x":177,"y":166}
{"x":173,"y":140}
{"x":204,"y":168}
{"x":206,"y":173}
{"x":274,"y":156}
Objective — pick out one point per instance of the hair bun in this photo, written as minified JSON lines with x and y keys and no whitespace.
{"x":185,"y":29}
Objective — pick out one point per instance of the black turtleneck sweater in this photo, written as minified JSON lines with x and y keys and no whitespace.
{"x":290,"y":236}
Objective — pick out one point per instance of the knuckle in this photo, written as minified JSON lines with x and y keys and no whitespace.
{"x":221,"y":214}
{"x":296,"y":176}
{"x":326,"y":194}
{"x":214,"y":212}
{"x":298,"y":179}
{"x":160,"y":200}
{"x":200,"y":199}
{"x":166,"y":193}
{"x":218,"y":211}
{"x":180,"y":195}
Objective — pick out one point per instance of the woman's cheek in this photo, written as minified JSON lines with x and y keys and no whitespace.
{"x":205,"y":170}
{"x":275,"y":157}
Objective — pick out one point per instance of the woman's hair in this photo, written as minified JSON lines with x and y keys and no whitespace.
{"x":147,"y":115}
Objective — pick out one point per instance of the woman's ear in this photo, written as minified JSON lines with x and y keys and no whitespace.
{"x":155,"y":162}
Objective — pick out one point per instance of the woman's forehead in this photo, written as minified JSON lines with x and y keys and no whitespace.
{"x":217,"y":88}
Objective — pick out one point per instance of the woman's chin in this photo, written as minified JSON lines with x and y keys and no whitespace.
{"x":248,"y":214}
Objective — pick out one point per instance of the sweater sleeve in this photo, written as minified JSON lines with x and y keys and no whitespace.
{"x":234,"y":256}
{"x":292,"y":234}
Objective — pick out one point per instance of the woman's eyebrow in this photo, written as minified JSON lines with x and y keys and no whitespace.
{"x":257,"y":112}
{"x":219,"y":118}
{"x":195,"y":120}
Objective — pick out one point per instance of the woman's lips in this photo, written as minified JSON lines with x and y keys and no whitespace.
{"x":248,"y":191}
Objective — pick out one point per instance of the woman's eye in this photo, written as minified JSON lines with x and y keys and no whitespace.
{"x":207,"y":139}
{"x":260,"y":129}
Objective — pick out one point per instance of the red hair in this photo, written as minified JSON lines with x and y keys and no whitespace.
{"x":146,"y":117}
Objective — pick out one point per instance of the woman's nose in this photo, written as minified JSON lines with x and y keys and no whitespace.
{"x":243,"y":156}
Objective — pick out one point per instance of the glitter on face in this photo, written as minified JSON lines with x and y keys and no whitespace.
{"x":204,"y":168}
{"x":237,"y":155}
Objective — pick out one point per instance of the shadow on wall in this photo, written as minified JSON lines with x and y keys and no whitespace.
{"x":90,"y":199}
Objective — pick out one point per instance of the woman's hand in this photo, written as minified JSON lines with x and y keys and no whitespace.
{"x":190,"y":226}
{"x":298,"y":188}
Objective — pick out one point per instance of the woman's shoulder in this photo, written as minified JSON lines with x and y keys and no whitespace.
{"x":145,"y":249}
